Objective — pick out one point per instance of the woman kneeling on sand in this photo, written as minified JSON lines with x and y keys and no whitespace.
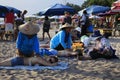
{"x":44,"y":61}
{"x":62,"y":41}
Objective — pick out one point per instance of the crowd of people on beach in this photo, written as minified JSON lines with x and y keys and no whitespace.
{"x":11,"y":22}
{"x":31,"y":52}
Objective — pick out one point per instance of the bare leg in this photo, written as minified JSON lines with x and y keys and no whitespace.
{"x":6,"y":62}
{"x":41,"y":61}
{"x":67,"y":53}
{"x":48,"y":35}
{"x":43,"y":36}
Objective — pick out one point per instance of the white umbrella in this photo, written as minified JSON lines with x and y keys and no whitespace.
{"x":95,"y":17}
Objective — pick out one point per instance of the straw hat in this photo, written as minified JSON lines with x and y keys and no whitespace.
{"x":29,"y":28}
{"x":66,"y":25}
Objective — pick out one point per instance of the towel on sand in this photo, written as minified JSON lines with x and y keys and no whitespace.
{"x":60,"y":66}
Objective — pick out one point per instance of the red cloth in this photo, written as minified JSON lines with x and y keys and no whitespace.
{"x":9,"y":18}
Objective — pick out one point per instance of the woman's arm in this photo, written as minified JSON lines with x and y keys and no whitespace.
{"x":62,"y":39}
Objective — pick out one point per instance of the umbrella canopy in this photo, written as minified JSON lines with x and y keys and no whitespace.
{"x":57,"y":9}
{"x":3,"y":11}
{"x":95,"y":9}
{"x":14,"y":9}
{"x":6,"y":9}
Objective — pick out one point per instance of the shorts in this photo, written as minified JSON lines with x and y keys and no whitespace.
{"x":17,"y":61}
{"x":8,"y":27}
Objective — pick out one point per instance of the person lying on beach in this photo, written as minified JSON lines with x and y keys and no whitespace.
{"x":27,"y":42}
{"x":101,"y":49}
{"x":30,"y":61}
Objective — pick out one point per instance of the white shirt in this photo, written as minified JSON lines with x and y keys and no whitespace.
{"x":83,"y":19}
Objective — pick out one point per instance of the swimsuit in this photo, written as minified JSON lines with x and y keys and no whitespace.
{"x":17,"y":61}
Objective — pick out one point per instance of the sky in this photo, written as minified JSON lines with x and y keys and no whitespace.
{"x":35,"y":6}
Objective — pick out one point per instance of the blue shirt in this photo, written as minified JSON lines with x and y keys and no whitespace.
{"x":26,"y":45}
{"x":60,"y":38}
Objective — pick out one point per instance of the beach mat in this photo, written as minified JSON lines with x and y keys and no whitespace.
{"x":59,"y":66}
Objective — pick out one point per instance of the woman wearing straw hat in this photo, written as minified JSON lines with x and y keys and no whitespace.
{"x":62,"y":41}
{"x":27,"y":43}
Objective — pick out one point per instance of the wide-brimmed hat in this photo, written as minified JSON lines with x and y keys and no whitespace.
{"x":66,"y":25}
{"x":29,"y":28}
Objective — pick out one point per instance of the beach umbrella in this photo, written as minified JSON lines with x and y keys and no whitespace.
{"x":95,"y":9}
{"x":15,"y":10}
{"x":3,"y":11}
{"x":81,"y":12}
{"x":57,"y":9}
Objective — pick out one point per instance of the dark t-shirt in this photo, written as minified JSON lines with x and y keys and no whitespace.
{"x":46,"y":26}
{"x":67,"y":20}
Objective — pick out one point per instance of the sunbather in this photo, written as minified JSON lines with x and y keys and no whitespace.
{"x":45,"y":61}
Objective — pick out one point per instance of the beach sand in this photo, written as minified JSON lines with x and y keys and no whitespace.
{"x":99,"y":69}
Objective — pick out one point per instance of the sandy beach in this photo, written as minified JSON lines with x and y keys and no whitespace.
{"x":99,"y":69}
